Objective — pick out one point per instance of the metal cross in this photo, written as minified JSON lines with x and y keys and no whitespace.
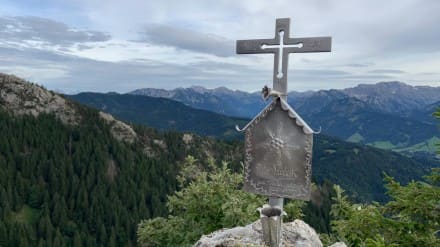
{"x":282,"y":45}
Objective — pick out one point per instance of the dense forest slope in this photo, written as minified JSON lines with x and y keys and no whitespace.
{"x":77,"y":184}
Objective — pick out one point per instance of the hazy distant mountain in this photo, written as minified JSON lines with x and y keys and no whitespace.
{"x":425,"y":114}
{"x":395,"y":97}
{"x":357,"y":121}
{"x":220,"y":100}
{"x":391,"y":97}
{"x":364,"y":114}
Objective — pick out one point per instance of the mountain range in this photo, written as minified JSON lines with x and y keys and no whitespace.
{"x":362,"y":114}
{"x":335,"y":160}
{"x":72,"y":175}
{"x":391,"y":97}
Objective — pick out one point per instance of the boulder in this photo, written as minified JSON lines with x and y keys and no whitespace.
{"x":296,"y":233}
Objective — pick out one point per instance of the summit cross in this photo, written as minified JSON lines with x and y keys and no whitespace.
{"x":278,"y":150}
{"x":281,"y":46}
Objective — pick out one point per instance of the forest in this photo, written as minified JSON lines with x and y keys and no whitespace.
{"x":66,"y":185}
{"x":76,"y":185}
{"x":411,"y":216}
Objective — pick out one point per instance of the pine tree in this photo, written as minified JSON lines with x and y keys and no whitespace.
{"x":58,"y":240}
{"x":3,"y":233}
{"x":207,"y":202}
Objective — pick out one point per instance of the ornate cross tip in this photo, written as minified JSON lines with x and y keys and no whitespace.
{"x":281,"y":46}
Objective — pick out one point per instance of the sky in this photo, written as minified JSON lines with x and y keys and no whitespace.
{"x":73,"y":46}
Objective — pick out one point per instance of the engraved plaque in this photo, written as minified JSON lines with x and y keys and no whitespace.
{"x":278,"y":154}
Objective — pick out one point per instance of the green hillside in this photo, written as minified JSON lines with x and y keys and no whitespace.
{"x":163,"y":114}
{"x":78,"y":186}
{"x":360,"y":169}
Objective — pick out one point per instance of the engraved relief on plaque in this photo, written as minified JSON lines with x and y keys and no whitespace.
{"x":278,"y":154}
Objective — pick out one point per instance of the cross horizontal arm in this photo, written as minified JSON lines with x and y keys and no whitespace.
{"x":312,"y":44}
{"x":254,"y":46}
{"x":281,"y":46}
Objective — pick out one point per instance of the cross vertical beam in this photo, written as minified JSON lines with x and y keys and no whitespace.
{"x":281,"y":46}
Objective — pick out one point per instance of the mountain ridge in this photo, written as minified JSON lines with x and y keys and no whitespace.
{"x":367,"y":92}
{"x":341,"y":113}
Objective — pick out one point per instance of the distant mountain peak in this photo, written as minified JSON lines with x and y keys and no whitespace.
{"x":393,"y":83}
{"x":203,"y":90}
{"x":395,"y":96}
{"x":389,"y":96}
{"x":383,"y":84}
{"x":198,"y":89}
{"x":223,"y":90}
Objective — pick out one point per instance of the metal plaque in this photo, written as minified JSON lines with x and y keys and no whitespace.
{"x":278,"y":153}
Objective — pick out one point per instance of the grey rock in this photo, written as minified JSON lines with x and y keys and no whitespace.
{"x":24,"y":98}
{"x":120,"y":130}
{"x":296,"y":233}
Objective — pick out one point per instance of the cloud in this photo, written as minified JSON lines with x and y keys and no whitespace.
{"x":320,"y":72}
{"x":192,"y":42}
{"x":372,"y":78}
{"x":30,"y":28}
{"x":73,"y":74}
{"x":189,"y":40}
{"x":386,"y":71}
{"x":357,"y":65}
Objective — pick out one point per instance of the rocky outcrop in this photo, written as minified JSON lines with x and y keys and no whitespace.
{"x":187,"y":138}
{"x":120,"y":130}
{"x":21,"y":97}
{"x":24,"y":98}
{"x":296,"y":233}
